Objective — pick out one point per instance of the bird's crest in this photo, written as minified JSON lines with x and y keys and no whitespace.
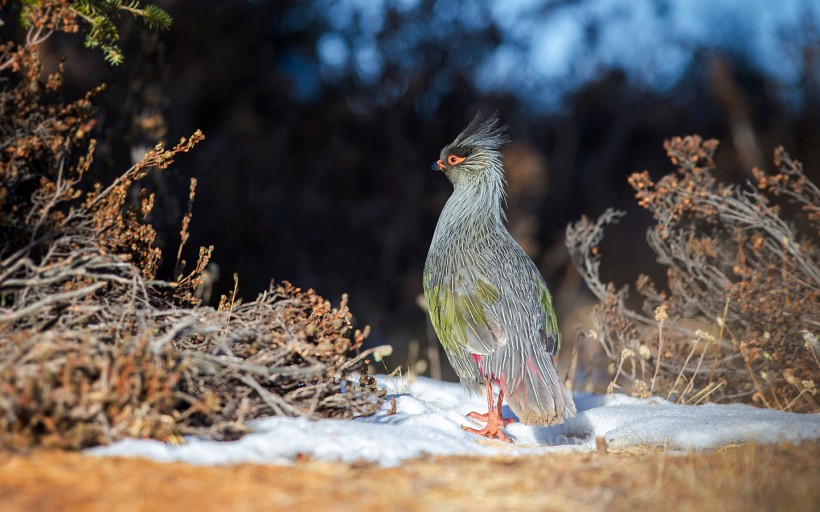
{"x":483,"y":133}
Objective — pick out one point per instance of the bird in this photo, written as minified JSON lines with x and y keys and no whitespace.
{"x":489,"y":305}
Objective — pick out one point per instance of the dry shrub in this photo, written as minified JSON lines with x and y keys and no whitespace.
{"x":739,"y":318}
{"x":93,"y":345}
{"x":162,"y":372}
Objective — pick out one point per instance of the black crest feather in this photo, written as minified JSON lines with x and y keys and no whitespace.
{"x":483,"y":133}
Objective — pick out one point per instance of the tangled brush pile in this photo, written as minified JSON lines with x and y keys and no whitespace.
{"x":93,"y":346}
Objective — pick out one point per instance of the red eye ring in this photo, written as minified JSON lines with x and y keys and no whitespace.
{"x":454,"y":159}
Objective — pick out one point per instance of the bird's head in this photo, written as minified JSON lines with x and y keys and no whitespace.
{"x":473,"y":156}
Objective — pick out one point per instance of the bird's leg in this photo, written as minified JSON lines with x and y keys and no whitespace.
{"x":491,"y":408}
{"x":485,"y":416}
{"x":495,"y":420}
{"x":505,"y":421}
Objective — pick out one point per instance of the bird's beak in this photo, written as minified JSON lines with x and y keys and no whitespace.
{"x":437,"y":166}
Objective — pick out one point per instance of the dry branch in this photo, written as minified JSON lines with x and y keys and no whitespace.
{"x":743,"y":285}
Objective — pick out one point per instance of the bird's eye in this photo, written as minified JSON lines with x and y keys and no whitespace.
{"x":454,"y":160}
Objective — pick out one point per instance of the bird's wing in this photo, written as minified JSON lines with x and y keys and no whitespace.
{"x":461,"y":308}
{"x":548,"y":334}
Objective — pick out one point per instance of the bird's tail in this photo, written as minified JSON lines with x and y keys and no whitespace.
{"x":537,"y":396}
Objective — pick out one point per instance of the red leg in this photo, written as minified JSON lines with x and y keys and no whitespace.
{"x":495,"y":420}
{"x":506,"y":421}
{"x":491,"y":408}
{"x":485,"y":416}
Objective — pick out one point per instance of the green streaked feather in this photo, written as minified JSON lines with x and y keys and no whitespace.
{"x":460,"y":314}
{"x":544,"y":299}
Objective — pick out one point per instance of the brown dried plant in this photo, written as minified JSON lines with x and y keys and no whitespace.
{"x":738,"y":319}
{"x":93,"y":345}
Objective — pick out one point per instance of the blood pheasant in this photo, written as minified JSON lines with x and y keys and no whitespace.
{"x":488,"y":303}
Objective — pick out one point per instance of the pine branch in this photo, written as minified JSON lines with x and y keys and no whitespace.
{"x":100,"y":17}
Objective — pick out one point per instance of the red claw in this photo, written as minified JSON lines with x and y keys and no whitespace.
{"x":495,"y":420}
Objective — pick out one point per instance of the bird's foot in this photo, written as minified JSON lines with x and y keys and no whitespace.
{"x":485,"y":416}
{"x":492,"y":430}
{"x":494,"y":421}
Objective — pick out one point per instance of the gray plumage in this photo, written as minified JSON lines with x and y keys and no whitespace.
{"x":488,"y":302}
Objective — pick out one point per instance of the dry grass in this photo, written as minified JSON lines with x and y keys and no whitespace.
{"x":749,"y":477}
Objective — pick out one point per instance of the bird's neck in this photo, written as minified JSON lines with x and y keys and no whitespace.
{"x":476,"y":205}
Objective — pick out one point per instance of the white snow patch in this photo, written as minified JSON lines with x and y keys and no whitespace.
{"x":428,"y":420}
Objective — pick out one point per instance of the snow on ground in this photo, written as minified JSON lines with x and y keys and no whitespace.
{"x":428,"y":420}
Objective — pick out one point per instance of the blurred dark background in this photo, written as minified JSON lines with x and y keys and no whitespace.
{"x":322,"y":118}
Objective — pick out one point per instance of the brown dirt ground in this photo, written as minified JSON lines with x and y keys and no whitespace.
{"x":749,"y":477}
